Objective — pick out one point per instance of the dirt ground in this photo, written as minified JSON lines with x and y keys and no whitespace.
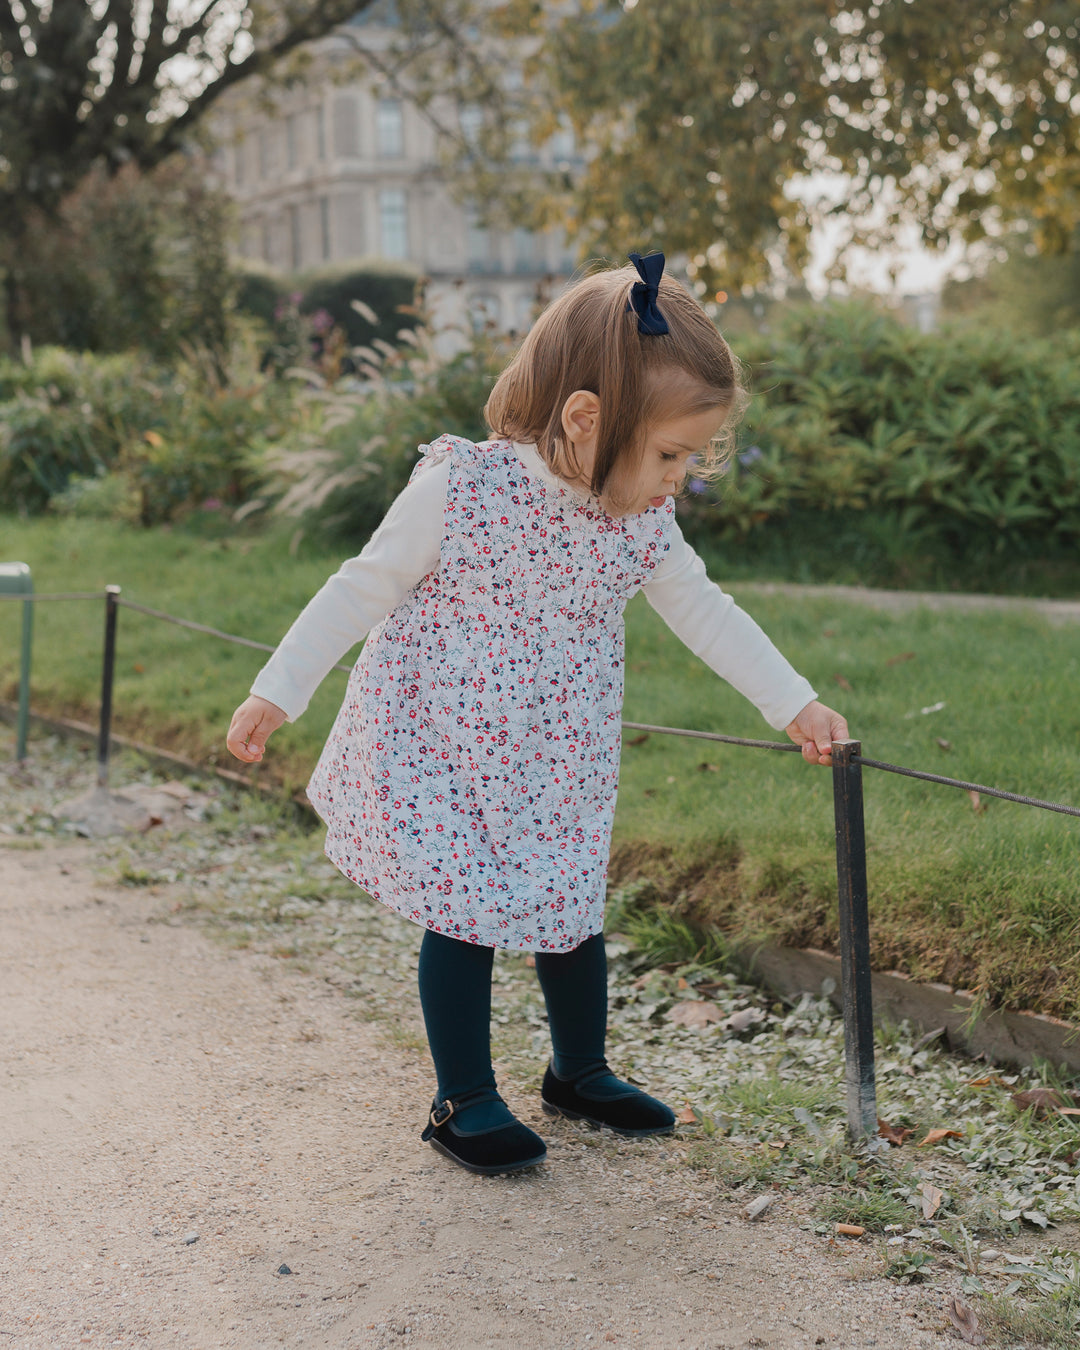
{"x":179,"y":1121}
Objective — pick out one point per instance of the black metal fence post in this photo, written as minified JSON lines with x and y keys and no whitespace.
{"x":112,"y":594}
{"x":854,"y":940}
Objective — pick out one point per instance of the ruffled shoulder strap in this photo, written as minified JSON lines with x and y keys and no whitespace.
{"x":441,"y":449}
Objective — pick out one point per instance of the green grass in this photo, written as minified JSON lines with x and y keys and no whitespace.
{"x":727,"y":837}
{"x":174,"y":688}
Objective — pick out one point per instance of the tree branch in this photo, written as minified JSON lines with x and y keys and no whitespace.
{"x":322,"y":18}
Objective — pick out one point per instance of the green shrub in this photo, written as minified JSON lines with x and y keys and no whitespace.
{"x":132,"y":260}
{"x":70,"y":414}
{"x":969,"y":439}
{"x":307,"y":315}
{"x":387,"y":289}
{"x":119,"y":437}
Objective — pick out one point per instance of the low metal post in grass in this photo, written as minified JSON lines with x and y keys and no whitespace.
{"x":854,"y":940}
{"x":112,"y":595}
{"x":16,"y":579}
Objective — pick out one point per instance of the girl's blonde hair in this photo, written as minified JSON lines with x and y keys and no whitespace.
{"x":589,"y":339}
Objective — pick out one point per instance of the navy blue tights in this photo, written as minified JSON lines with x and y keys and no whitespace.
{"x":455,"y":994}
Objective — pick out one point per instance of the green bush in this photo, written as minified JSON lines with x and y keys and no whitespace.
{"x":69,"y":414}
{"x":132,"y":260}
{"x":387,"y":289}
{"x":308,"y":314}
{"x":966,"y":441}
{"x":119,"y":437}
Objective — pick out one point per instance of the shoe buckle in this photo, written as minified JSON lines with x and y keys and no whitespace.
{"x":435,"y":1119}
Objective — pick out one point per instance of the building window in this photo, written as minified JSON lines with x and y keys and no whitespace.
{"x":346,"y":128}
{"x":525,"y":310}
{"x":320,"y":133}
{"x":471,"y":121}
{"x":484,"y":312}
{"x":324,"y":226}
{"x":526,"y":251}
{"x":393,"y":223}
{"x":266,"y":153}
{"x":482,"y":250}
{"x":389,"y":128}
{"x":295,"y":252}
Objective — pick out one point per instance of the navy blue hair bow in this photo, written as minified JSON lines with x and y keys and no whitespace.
{"x":643,"y":293}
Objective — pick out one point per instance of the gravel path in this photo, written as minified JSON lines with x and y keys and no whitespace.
{"x":179,"y":1120}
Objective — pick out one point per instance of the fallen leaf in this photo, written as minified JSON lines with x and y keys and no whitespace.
{"x":936,"y":1136}
{"x":976,"y":802}
{"x":931,"y":1199}
{"x":687,"y":1116}
{"x":897,"y":660}
{"x":139,"y":668}
{"x":756,"y":1208}
{"x":844,"y":685}
{"x":893,"y":1133}
{"x":1068,"y":1110}
{"x":943,"y":743}
{"x":694,"y":1013}
{"x":683,"y":983}
{"x":638,"y":740}
{"x":988,"y":1080}
{"x":1039,"y":1100}
{"x":965,"y":1321}
{"x":828,"y":632}
{"x":928,"y":1038}
{"x":850,"y":1230}
{"x":708,"y":768}
{"x":744,"y":1019}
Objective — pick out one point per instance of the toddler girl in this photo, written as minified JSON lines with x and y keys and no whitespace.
{"x":469,"y":780}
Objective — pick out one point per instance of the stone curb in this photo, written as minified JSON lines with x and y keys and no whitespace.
{"x":1008,"y":1038}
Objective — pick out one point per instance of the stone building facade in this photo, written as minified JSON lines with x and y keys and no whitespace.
{"x":346,"y":171}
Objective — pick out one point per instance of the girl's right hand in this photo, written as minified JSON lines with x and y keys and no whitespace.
{"x":251,"y":726}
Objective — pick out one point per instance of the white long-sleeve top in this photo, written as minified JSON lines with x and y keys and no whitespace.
{"x":405,"y":549}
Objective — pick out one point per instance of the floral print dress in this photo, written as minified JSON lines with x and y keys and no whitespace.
{"x":469,"y":780}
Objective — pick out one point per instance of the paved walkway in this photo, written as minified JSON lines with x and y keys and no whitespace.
{"x":1056,"y":611}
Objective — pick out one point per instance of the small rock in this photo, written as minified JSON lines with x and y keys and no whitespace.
{"x":283,"y":1269}
{"x":756,"y":1208}
{"x":190,"y":1238}
{"x":155,"y":1232}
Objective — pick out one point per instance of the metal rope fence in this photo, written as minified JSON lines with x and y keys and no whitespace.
{"x":852,"y":892}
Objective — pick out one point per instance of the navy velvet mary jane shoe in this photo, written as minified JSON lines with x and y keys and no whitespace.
{"x":602,"y":1099}
{"x":507,"y":1148}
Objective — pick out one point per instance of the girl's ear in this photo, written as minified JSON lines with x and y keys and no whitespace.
{"x":581,"y":418}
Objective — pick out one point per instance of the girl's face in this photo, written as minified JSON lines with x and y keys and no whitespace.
{"x":669,"y":449}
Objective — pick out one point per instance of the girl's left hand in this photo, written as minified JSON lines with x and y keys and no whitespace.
{"x":815,"y":729}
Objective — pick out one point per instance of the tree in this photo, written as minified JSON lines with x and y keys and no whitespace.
{"x":727,"y":130}
{"x":126,"y":81}
{"x":93,"y":86}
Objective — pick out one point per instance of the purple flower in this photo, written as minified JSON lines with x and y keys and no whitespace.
{"x":211,"y":504}
{"x":322,"y":321}
{"x":697,"y":485}
{"x":751,"y":455}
